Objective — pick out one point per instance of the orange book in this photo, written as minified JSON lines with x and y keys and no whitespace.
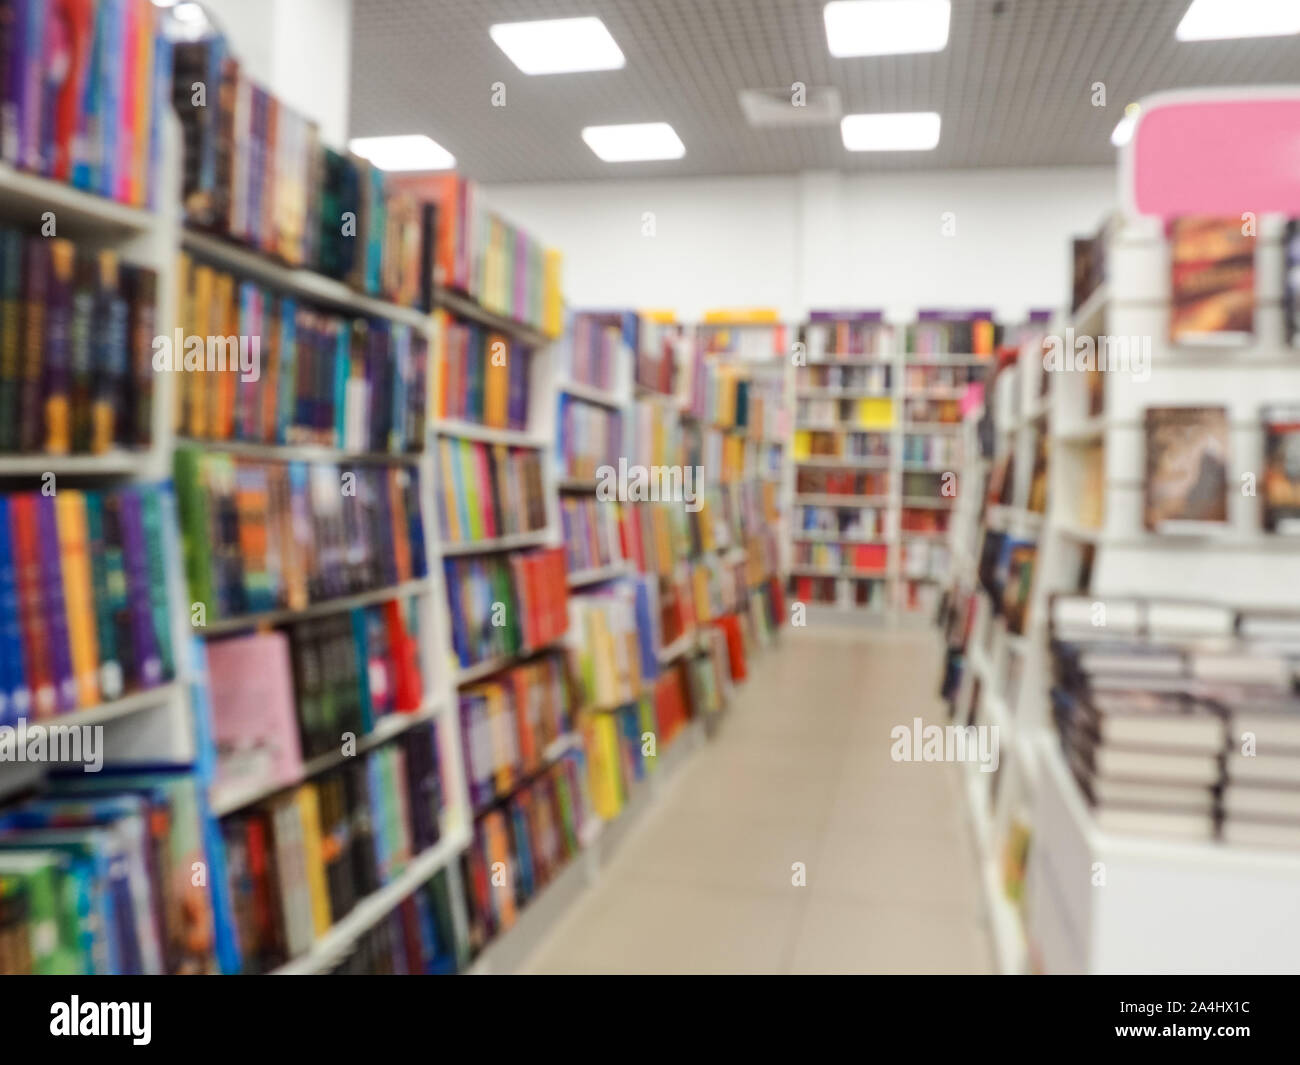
{"x":499,"y":868}
{"x":201,"y":325}
{"x":184,"y":316}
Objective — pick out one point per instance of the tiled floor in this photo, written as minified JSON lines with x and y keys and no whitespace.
{"x":800,"y":773}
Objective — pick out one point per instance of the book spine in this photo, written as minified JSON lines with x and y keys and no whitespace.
{"x":56,"y":386}
{"x":73,"y":543}
{"x":110,"y":354}
{"x":54,"y":605}
{"x":110,"y":668}
{"x":36,"y":287}
{"x":148,"y":663}
{"x":156,"y":559}
{"x":11,"y":336}
{"x":16,"y":696}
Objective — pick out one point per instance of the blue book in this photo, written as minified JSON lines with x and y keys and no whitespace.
{"x":111,"y":76}
{"x":15,"y":699}
{"x":54,"y":606}
{"x":287,"y":387}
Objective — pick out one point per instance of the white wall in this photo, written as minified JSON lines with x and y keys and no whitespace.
{"x":819,"y":239}
{"x":299,"y":49}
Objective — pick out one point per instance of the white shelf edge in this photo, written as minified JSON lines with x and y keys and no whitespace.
{"x":401,"y":590}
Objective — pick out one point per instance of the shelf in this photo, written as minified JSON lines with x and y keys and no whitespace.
{"x":842,"y":427}
{"x":932,"y":427}
{"x":315,"y":610}
{"x":928,"y":502}
{"x":110,"y":463}
{"x":591,"y":394}
{"x":498,"y":543}
{"x":297,"y":280}
{"x":816,"y":537}
{"x":576,"y":484}
{"x":301,"y":452}
{"x":819,"y":500}
{"x":856,"y":574}
{"x":27,"y":197}
{"x":388,"y":727}
{"x":843,"y":393}
{"x":947,"y":359}
{"x":469,"y":674}
{"x":486,"y":433}
{"x":1083,"y":320}
{"x":870,"y":462}
{"x":464,"y":307}
{"x":333,"y":946}
{"x":1087,"y":430}
{"x":137,"y":702}
{"x":923,"y":534}
{"x":598,"y":574}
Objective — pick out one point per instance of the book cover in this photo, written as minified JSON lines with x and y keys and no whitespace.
{"x":1186,"y":468}
{"x":1280,"y":490}
{"x":1213,"y":281}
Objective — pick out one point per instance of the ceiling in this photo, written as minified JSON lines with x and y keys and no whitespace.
{"x":1014,"y":85}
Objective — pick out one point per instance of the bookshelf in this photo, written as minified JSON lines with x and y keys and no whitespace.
{"x":1090,"y":539}
{"x":877,"y":421}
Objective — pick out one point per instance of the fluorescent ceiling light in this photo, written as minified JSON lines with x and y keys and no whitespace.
{"x":558,"y":46}
{"x":1222,"y":20}
{"x":638,"y":140}
{"x":409,"y":151}
{"x":1123,"y":131}
{"x":886,"y":27}
{"x":906,"y":131}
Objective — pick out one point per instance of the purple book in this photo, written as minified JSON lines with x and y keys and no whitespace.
{"x":147,"y":672}
{"x":519,"y":308}
{"x":517,"y":388}
{"x":56,"y":612}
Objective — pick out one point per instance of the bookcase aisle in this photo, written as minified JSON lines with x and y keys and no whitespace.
{"x":335,"y":576}
{"x":1122,"y":611}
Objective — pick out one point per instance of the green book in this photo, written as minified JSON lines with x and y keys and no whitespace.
{"x":196,"y":543}
{"x":156,"y":560}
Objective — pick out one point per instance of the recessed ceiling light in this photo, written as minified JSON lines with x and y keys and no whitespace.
{"x":1222,"y":20}
{"x":635,"y":141}
{"x":1123,"y":131}
{"x":558,"y":46}
{"x":905,"y":131}
{"x":408,"y":151}
{"x":886,"y":27}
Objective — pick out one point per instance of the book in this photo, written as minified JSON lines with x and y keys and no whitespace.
{"x":1291,"y":284}
{"x":1187,"y":452}
{"x":1279,"y":490}
{"x":1212,"y":262}
{"x":488,"y":491}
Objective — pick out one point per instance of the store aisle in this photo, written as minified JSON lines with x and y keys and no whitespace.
{"x":800,"y":773}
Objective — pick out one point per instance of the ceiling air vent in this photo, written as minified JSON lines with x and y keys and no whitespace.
{"x":790,"y":106}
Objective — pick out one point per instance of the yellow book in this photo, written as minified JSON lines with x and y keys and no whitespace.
{"x":473,"y":500}
{"x":70,"y":510}
{"x":501,"y":730}
{"x":876,"y":412}
{"x":603,"y":766}
{"x":314,"y":858}
{"x":445,"y":460}
{"x":552,"y":294}
{"x":496,"y":380}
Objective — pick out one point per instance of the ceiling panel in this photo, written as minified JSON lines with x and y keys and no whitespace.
{"x":1014,"y":85}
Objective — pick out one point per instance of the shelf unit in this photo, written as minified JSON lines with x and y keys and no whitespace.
{"x":1155,"y":889}
{"x":837,"y":344}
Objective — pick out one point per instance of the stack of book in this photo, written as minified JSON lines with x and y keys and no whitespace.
{"x":532,"y":835}
{"x":97,"y":877}
{"x":506,"y":604}
{"x":76,"y":341}
{"x":597,"y":343}
{"x":84,"y":613}
{"x":263,"y":536}
{"x":591,"y":533}
{"x":1181,"y":719}
{"x":262,"y":367}
{"x":941,"y":334}
{"x":820,"y":481}
{"x":508,"y":722}
{"x":482,"y":255}
{"x":482,"y":376}
{"x":255,"y":171}
{"x":614,"y":655}
{"x":417,"y":939}
{"x":279,"y":697}
{"x":85,"y":94}
{"x":299,"y":862}
{"x":488,"y":491}
{"x":589,"y":436}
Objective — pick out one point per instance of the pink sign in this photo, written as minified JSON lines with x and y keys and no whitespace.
{"x":1214,"y":152}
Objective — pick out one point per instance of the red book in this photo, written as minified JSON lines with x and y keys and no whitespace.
{"x":31,"y":605}
{"x":76,"y":20}
{"x":408,"y":693}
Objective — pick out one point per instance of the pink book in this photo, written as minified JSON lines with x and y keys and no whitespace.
{"x":253,"y":722}
{"x":485,"y":493}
